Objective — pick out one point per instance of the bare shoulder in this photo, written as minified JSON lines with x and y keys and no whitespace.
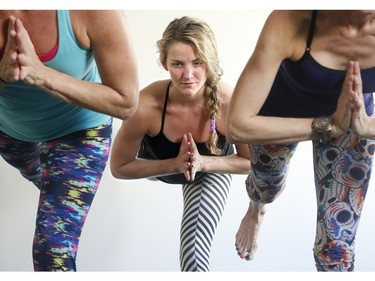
{"x":289,"y":19}
{"x":98,"y":17}
{"x":89,"y":24}
{"x":152,"y":96}
{"x":226,"y":95}
{"x":226,"y":92}
{"x":285,"y":31}
{"x":150,"y":107}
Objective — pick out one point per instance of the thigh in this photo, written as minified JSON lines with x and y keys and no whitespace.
{"x":75,"y":161}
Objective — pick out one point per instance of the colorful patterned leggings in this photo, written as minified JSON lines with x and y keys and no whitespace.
{"x":342,"y":172}
{"x":67,"y":171}
{"x":204,"y":202}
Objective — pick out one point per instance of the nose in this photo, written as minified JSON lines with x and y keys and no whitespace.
{"x":188,"y":72}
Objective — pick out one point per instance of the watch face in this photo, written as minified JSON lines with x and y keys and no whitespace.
{"x":323,"y":124}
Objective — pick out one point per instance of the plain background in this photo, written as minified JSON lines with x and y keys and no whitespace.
{"x":133,"y":226}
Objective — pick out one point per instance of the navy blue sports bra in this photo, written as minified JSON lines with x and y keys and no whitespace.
{"x":160,"y":147}
{"x":304,"y":88}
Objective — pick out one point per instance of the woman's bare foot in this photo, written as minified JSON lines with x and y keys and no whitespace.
{"x":246,"y":237}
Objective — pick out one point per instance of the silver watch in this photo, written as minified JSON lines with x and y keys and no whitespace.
{"x":323,"y":127}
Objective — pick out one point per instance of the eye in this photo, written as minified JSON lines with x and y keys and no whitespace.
{"x":177,"y":64}
{"x":197,"y":63}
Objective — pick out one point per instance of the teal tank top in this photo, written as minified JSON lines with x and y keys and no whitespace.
{"x":28,"y":113}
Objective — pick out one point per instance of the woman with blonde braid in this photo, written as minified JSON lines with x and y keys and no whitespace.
{"x":177,"y":136}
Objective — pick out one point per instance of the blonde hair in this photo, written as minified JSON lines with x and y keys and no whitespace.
{"x":199,"y":34}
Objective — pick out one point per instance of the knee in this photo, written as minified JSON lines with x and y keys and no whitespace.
{"x":264,"y":191}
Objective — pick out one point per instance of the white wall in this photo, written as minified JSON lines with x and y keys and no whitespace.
{"x":134,"y":225}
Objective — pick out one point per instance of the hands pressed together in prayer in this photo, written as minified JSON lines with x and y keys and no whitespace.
{"x":20,"y":61}
{"x":189,"y":160}
{"x":351,"y":111}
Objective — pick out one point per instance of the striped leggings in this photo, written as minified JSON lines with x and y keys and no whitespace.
{"x":342,"y":172}
{"x":67,"y":172}
{"x":204,"y":202}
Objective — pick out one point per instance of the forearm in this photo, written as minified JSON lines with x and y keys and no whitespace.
{"x":94,"y":96}
{"x":232,"y":164}
{"x":270,"y":130}
{"x":369,"y":129}
{"x":144,"y":168}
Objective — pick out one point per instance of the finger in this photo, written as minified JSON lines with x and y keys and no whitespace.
{"x":357,"y":80}
{"x":11,"y":27}
{"x":11,"y":46}
{"x":348,"y":81}
{"x":23,"y":39}
{"x":187,"y":176}
{"x":193,"y":146}
{"x":193,"y":172}
{"x":357,"y":100}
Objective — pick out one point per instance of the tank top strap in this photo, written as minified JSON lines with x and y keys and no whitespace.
{"x":311,"y":30}
{"x":165,"y":107}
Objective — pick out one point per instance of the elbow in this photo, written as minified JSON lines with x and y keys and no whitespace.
{"x":118,"y":174}
{"x":129,"y":106}
{"x":116,"y":167}
{"x":233,"y":133}
{"x":126,"y":112}
{"x":115,"y":172}
{"x":239,"y":132}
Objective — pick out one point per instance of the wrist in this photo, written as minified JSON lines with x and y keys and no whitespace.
{"x":322,"y":126}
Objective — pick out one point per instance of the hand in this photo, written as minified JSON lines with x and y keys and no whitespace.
{"x":359,"y":120}
{"x":29,"y":63}
{"x":182,"y":161}
{"x":196,"y":162}
{"x":342,"y":116}
{"x":9,"y":69}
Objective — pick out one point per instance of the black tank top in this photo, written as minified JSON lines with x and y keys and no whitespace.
{"x":160,"y":147}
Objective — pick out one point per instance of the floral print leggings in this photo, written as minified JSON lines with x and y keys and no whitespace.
{"x":67,"y":172}
{"x":342,"y":172}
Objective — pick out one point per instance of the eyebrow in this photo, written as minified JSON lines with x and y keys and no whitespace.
{"x":177,"y":60}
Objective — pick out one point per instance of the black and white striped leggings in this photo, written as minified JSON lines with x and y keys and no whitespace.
{"x":204,"y":202}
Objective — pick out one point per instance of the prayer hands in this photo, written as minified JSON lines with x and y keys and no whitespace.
{"x":193,"y":162}
{"x":351,"y":112}
{"x":20,"y":61}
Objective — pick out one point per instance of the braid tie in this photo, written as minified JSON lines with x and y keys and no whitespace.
{"x":212,"y":126}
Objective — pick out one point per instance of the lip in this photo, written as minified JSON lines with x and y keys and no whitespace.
{"x":187,"y":84}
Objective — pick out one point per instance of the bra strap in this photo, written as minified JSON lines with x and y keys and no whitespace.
{"x":311,"y":30}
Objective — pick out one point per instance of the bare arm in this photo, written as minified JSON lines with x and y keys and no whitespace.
{"x":107,"y":34}
{"x":277,"y":41}
{"x":124,"y":162}
{"x":238,"y":163}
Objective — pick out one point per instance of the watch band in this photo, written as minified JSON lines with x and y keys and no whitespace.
{"x":323,"y":126}
{"x":325,"y":136}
